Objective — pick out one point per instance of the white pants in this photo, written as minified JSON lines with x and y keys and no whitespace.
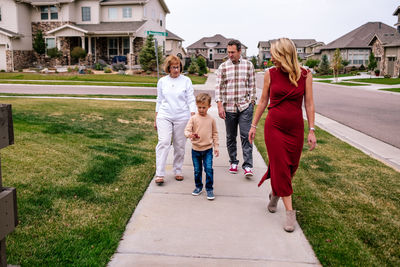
{"x":169,"y":130}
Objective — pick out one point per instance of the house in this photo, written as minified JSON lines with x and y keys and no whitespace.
{"x":386,"y":48}
{"x":173,"y":46}
{"x":304,"y":47}
{"x":213,"y":49}
{"x":104,"y":28}
{"x":355,"y":45}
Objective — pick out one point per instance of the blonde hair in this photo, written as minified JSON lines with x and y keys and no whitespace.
{"x":284,"y":51}
{"x":203,"y":98}
{"x":172,"y":60}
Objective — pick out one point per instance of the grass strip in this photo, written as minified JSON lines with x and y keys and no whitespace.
{"x":81,"y":83}
{"x":351,"y":84}
{"x":348,"y":203}
{"x":80,"y":169}
{"x":89,"y":96}
{"x":92,"y":77}
{"x":378,"y":80}
{"x":323,"y":81}
{"x":396,"y":90}
{"x":331,"y":76}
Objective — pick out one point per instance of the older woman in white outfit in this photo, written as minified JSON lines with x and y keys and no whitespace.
{"x":175,"y":105}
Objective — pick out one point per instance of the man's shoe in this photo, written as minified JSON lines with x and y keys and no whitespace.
{"x":248,"y":173}
{"x":210,"y":195}
{"x":159,"y":180}
{"x":233,"y":169}
{"x":179,"y":177}
{"x":197,"y":191}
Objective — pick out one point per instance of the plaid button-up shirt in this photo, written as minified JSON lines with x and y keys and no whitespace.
{"x":236,"y":85}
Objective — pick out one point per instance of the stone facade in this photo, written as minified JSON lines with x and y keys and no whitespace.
{"x":46,"y":26}
{"x":9,"y":61}
{"x":22,"y":59}
{"x":379,"y":52}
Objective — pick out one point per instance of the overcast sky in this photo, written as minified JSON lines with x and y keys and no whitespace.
{"x":252,"y":21}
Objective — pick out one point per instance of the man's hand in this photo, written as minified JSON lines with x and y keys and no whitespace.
{"x":216,"y":152}
{"x":221,"y":111}
{"x":252,"y":134}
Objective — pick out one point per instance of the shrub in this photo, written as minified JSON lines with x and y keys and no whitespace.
{"x":78,"y":53}
{"x":39,"y":44}
{"x":76,"y":68}
{"x":354,"y":73}
{"x":54,"y":53}
{"x":69,"y":69}
{"x":20,"y":70}
{"x":107,"y":70}
{"x":118,"y":66}
{"x":88,"y":71}
{"x":147,"y":57}
{"x":311,"y":63}
{"x":324,"y":66}
{"x":193,"y":68}
{"x":353,"y":68}
{"x":2,"y":70}
{"x":202,"y":64}
{"x":149,"y":72}
{"x":387,"y":76}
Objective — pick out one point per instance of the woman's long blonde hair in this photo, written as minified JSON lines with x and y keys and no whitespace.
{"x":284,"y":51}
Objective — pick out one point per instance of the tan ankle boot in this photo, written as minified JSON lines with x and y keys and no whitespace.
{"x":290,"y":220}
{"x":273,"y":202}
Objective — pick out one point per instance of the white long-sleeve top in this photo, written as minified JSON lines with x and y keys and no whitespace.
{"x":175,"y":98}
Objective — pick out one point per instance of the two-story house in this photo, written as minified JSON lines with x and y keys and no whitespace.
{"x":174,"y":46}
{"x":304,"y":47}
{"x":104,"y":28}
{"x":213,"y":49}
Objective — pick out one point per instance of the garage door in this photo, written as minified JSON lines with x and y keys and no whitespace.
{"x":3,"y":64}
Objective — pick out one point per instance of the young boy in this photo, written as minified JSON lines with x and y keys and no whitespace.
{"x":202,"y":131}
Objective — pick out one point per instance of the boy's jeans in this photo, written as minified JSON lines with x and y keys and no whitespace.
{"x":200,"y":159}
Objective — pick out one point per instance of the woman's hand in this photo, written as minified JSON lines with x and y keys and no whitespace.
{"x":252,"y":134}
{"x":155,"y":124}
{"x":311,"y":140}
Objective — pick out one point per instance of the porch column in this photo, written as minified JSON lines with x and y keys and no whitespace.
{"x":131,"y":39}
{"x":83,"y":41}
{"x":90,"y":45}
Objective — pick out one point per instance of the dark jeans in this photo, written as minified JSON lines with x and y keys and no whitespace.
{"x":243,"y":119}
{"x":200,"y":159}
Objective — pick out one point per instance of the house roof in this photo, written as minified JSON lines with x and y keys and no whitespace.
{"x":263,"y":44}
{"x":387,"y":39}
{"x":104,"y":27}
{"x":221,"y":41}
{"x":359,"y":37}
{"x":303,"y":42}
{"x":396,"y":12}
{"x":124,"y":2}
{"x":9,"y":33}
{"x":173,"y":36}
{"x":46,"y":2}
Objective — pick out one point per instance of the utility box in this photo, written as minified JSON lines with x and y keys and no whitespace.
{"x":8,"y":195}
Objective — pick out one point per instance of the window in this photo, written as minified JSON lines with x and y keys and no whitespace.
{"x":161,"y":19}
{"x":127,"y":12}
{"x":112,"y":13}
{"x":299,"y":50}
{"x":112,"y":47}
{"x":144,"y":12}
{"x":85,"y":13}
{"x":48,"y":11}
{"x":50,"y":43}
{"x":125,"y":43}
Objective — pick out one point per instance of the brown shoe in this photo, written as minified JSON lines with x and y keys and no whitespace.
{"x":290,"y":221}
{"x":179,"y":177}
{"x":273,"y":202}
{"x":159,"y":180}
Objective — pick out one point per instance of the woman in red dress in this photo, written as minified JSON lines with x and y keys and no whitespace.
{"x":285,"y":87}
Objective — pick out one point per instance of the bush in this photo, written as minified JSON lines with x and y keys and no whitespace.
{"x":147,"y":57}
{"x":78,"y":53}
{"x":202,"y":64}
{"x":54,"y":53}
{"x":88,"y":71}
{"x":118,"y":66}
{"x":69,"y":69}
{"x":311,"y":63}
{"x":387,"y":76}
{"x":107,"y":70}
{"x":100,"y":65}
{"x":354,"y":73}
{"x":193,"y":68}
{"x":2,"y":70}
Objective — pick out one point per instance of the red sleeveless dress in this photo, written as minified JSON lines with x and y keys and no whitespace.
{"x":284,"y":130}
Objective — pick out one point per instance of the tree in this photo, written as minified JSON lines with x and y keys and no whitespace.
{"x":336,"y":63}
{"x":78,"y":53}
{"x":254,"y":61}
{"x":54,"y":52}
{"x":147,"y":56}
{"x":38,"y":43}
{"x":193,"y":67}
{"x":324,"y":65}
{"x":372,"y":64}
{"x":311,"y":63}
{"x":202,"y":65}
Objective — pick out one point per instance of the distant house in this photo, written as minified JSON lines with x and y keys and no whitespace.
{"x":213,"y":49}
{"x":355,"y":45}
{"x":174,"y":47}
{"x":104,"y":28}
{"x":386,"y":48}
{"x":304,"y":47}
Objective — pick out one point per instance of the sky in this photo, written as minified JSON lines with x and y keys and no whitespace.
{"x":251,"y":21}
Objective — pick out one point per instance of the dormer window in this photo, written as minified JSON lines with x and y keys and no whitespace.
{"x":47,"y":12}
{"x":85,"y":13}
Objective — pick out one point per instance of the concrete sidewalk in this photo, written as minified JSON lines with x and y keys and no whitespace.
{"x":170,"y":227}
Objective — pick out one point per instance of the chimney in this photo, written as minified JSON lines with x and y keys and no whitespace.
{"x":380,"y":25}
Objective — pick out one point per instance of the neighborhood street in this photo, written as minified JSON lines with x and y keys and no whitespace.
{"x":375,"y":113}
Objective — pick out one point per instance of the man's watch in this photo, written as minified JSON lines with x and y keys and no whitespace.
{"x":312,"y":129}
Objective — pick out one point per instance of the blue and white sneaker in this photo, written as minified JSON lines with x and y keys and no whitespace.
{"x":210,"y":195}
{"x":197,"y":191}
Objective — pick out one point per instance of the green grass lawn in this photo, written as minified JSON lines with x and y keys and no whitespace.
{"x":348,"y":203}
{"x":350,"y":84}
{"x":378,"y":80}
{"x":90,"y":96}
{"x":105,"y":78}
{"x":331,"y":76}
{"x":323,"y":81}
{"x":396,"y":90}
{"x":80,"y":168}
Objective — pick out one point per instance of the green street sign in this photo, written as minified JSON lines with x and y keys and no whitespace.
{"x":157,"y":33}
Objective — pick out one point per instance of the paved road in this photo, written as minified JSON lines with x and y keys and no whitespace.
{"x":375,"y":113}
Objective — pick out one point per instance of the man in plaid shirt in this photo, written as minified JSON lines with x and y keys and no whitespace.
{"x":235,"y":95}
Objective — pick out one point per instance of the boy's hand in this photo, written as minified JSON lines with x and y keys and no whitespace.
{"x":194,"y":136}
{"x":216,"y":152}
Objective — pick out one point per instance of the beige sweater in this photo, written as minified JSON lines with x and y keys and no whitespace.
{"x":206,"y":128}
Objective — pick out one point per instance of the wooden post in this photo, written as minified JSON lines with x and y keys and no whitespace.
{"x":3,"y":258}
